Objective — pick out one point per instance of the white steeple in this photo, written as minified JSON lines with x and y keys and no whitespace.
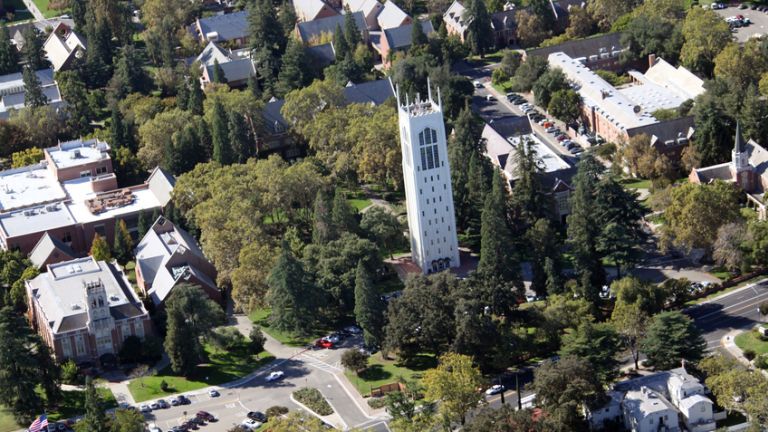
{"x":427,"y":178}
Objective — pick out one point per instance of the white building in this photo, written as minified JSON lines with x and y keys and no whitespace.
{"x":427,"y":176}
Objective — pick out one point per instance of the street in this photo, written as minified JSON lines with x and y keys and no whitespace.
{"x":735,"y":311}
{"x":303,"y":368}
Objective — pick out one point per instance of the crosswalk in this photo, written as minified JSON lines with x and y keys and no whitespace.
{"x":318,"y":363}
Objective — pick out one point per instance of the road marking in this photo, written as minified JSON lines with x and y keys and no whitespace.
{"x":230,"y":405}
{"x":730,"y":307}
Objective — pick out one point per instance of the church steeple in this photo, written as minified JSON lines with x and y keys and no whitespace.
{"x":739,"y":145}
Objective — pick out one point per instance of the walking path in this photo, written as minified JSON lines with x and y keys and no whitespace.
{"x":34,"y":10}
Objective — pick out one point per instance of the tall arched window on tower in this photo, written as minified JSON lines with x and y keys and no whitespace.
{"x":428,"y":147}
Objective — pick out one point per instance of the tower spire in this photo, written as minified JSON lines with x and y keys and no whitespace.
{"x":738,"y":146}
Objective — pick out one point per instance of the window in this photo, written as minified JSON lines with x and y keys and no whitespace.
{"x":423,"y":158}
{"x":420,"y":192}
{"x":425,"y":233}
{"x":101,"y":170}
{"x":85,"y":173}
{"x":445,"y":186}
{"x":80,"y":345}
{"x":422,"y":213}
{"x":66,"y":238}
{"x":66,"y":347}
{"x":432,"y":178}
{"x":440,"y":198}
{"x":100,"y":230}
{"x":433,"y":188}
{"x":139,"y":329}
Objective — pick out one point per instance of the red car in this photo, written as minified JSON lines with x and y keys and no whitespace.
{"x":561,"y":137}
{"x":324,"y":343}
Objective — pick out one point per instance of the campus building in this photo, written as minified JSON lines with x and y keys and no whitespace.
{"x":427,"y":178}
{"x":13,"y":92}
{"x":617,"y":114}
{"x":72,"y":195}
{"x":84,"y":309}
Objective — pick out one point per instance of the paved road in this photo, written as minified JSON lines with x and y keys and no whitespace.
{"x":735,"y":311}
{"x":32,"y":7}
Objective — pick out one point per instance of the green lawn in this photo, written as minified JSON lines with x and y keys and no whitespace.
{"x":490,"y":58}
{"x":382,"y":372}
{"x":751,"y":340}
{"x":260,"y":317}
{"x":43,"y":6}
{"x":223,"y":367}
{"x":359,"y":203}
{"x":21,"y":14}
{"x":72,"y":404}
{"x":7,"y":424}
{"x":634,"y":183}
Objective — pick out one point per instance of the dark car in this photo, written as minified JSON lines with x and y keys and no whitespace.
{"x":183,"y":400}
{"x":258,"y":416}
{"x":205,"y":415}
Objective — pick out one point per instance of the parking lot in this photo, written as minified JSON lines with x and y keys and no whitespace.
{"x":759,"y":26}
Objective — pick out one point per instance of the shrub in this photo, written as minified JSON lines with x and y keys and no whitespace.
{"x":164,"y":386}
{"x":761,"y":362}
{"x":354,"y":360}
{"x":763,"y":308}
{"x":377,"y":402}
{"x":314,"y":400}
{"x":749,"y":354}
{"x":152,"y":349}
{"x":276,"y":411}
{"x":257,"y":340}
{"x":69,"y":372}
{"x":226,"y":338}
{"x":130,"y":352}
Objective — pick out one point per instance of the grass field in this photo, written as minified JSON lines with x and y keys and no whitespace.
{"x":43,"y":6}
{"x":7,"y":424}
{"x":751,"y":340}
{"x":72,"y":405}
{"x":21,"y":13}
{"x":359,"y":203}
{"x":223,"y":367}
{"x":382,"y":372}
{"x":633,"y":183}
{"x":260,"y":317}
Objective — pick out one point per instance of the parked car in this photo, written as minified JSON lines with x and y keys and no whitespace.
{"x":490,"y":97}
{"x":258,"y":416}
{"x":716,"y":5}
{"x":551,"y":129}
{"x":561,"y":137}
{"x":477,"y":84}
{"x":205,"y":415}
{"x":154,"y":428}
{"x":495,"y":389}
{"x":275,"y":375}
{"x":183,"y":400}
{"x":174,"y":401}
{"x":355,"y":330}
{"x":250,"y":424}
{"x":213,"y":393}
{"x":154,"y":405}
{"x":145,"y":408}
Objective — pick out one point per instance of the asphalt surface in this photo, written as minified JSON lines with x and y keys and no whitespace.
{"x":735,"y":311}
{"x":313,"y":368}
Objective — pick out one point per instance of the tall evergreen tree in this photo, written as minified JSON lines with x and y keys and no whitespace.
{"x":196,"y":96}
{"x":77,"y":9}
{"x":543,"y":242}
{"x":98,"y":58}
{"x":218,"y":73}
{"x":418,"y":37}
{"x":9,"y":59}
{"x":554,"y":276}
{"x":340,"y":45}
{"x":369,"y":308}
{"x":182,"y":94}
{"x":479,"y":33}
{"x":288,"y":18}
{"x":19,"y":375}
{"x":100,"y":249}
{"x":268,"y":48}
{"x":323,"y":229}
{"x":583,"y":232}
{"x":143,"y":224}
{"x":129,"y":74}
{"x":351,"y":32}
{"x":291,"y":295}
{"x":32,"y":50}
{"x":462,"y":144}
{"x":238,"y":137}
{"x":78,"y":112}
{"x":94,"y":420}
{"x":33,"y":91}
{"x":222,"y":150}
{"x":479,"y":183}
{"x":497,"y":256}
{"x":293,"y":72}
{"x":343,"y":215}
{"x":619,"y":215}
{"x":123,"y":247}
{"x":529,"y":200}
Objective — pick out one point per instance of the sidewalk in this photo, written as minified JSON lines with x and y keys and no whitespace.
{"x":729,"y":343}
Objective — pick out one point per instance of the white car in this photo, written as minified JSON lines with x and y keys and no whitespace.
{"x":145,"y":408}
{"x":495,"y":389}
{"x":250,"y":424}
{"x":154,"y":428}
{"x":477,"y":84}
{"x":213,"y":393}
{"x":274,"y":376}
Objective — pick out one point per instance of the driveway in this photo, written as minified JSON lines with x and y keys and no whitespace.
{"x":758,"y":27}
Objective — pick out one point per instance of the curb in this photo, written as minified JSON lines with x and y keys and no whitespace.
{"x":322,"y":418}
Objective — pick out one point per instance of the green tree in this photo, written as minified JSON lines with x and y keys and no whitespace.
{"x":100,"y":249}
{"x":382,"y":227}
{"x":128,"y":420}
{"x":291,"y":295}
{"x":418,"y":37}
{"x":596,"y":343}
{"x":269,"y":47}
{"x":323,"y":230}
{"x":218,"y":73}
{"x":351,"y":32}
{"x":343,"y":215}
{"x":551,"y":81}
{"x":129,"y":74}
{"x":239,"y":140}
{"x":503,"y":419}
{"x":191,"y":316}
{"x":462,"y":144}
{"x":479,"y":34}
{"x":9,"y":61}
{"x":369,"y":308}
{"x":620,"y":217}
{"x":497,"y":258}
{"x":340,"y":43}
{"x":30,"y":156}
{"x":630,"y":322}
{"x":714,"y":131}
{"x":705,"y":34}
{"x":531,"y":28}
{"x":454,"y":383}
{"x":123,"y":247}
{"x":696,"y":212}
{"x":647,"y":34}
{"x":564,"y":386}
{"x":79,"y":110}
{"x":565,"y":105}
{"x":530,"y":71}
{"x":32,"y":50}
{"x":529,"y":199}
{"x":19,"y":373}
{"x":256,"y":340}
{"x":606,"y":12}
{"x":544,"y":241}
{"x":222,"y":148}
{"x":672,"y":337}
{"x":295,"y":68}
{"x":287,"y":18}
{"x":94,"y":419}
{"x":354,"y":360}
{"x":33,"y":91}
{"x":583,"y":233}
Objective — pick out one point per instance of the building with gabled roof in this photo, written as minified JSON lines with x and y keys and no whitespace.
{"x":229,"y":27}
{"x":50,"y":250}
{"x":84,"y":309}
{"x":13,"y":93}
{"x":369,"y":8}
{"x":399,"y":39}
{"x":310,"y":10}
{"x":391,"y":16}
{"x":320,"y":30}
{"x":64,"y":47}
{"x":236,"y":65}
{"x":168,"y":256}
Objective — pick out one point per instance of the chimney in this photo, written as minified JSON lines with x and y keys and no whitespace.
{"x":651,"y":60}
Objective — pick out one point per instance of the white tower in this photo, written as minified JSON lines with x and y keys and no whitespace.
{"x":427,"y":177}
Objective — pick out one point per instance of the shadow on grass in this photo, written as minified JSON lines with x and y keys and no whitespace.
{"x":375,"y":373}
{"x":420,"y":362}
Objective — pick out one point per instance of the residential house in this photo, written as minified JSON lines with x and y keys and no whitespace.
{"x":617,"y":114}
{"x":598,"y":52}
{"x":16,"y":30}
{"x":64,"y":47}
{"x":748,"y":169}
{"x":236,"y":65}
{"x":84,"y":309}
{"x":72,"y":195}
{"x":231,"y":28}
{"x":369,"y":8}
{"x":168,"y":256}
{"x":310,"y":10}
{"x":391,"y":16}
{"x":501,"y":140}
{"x":13,"y":93}
{"x":321,"y":30}
{"x":670,"y":400}
{"x":279,"y":138}
{"x":398,"y":39}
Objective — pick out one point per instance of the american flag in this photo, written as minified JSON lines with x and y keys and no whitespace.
{"x":39,"y":425}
